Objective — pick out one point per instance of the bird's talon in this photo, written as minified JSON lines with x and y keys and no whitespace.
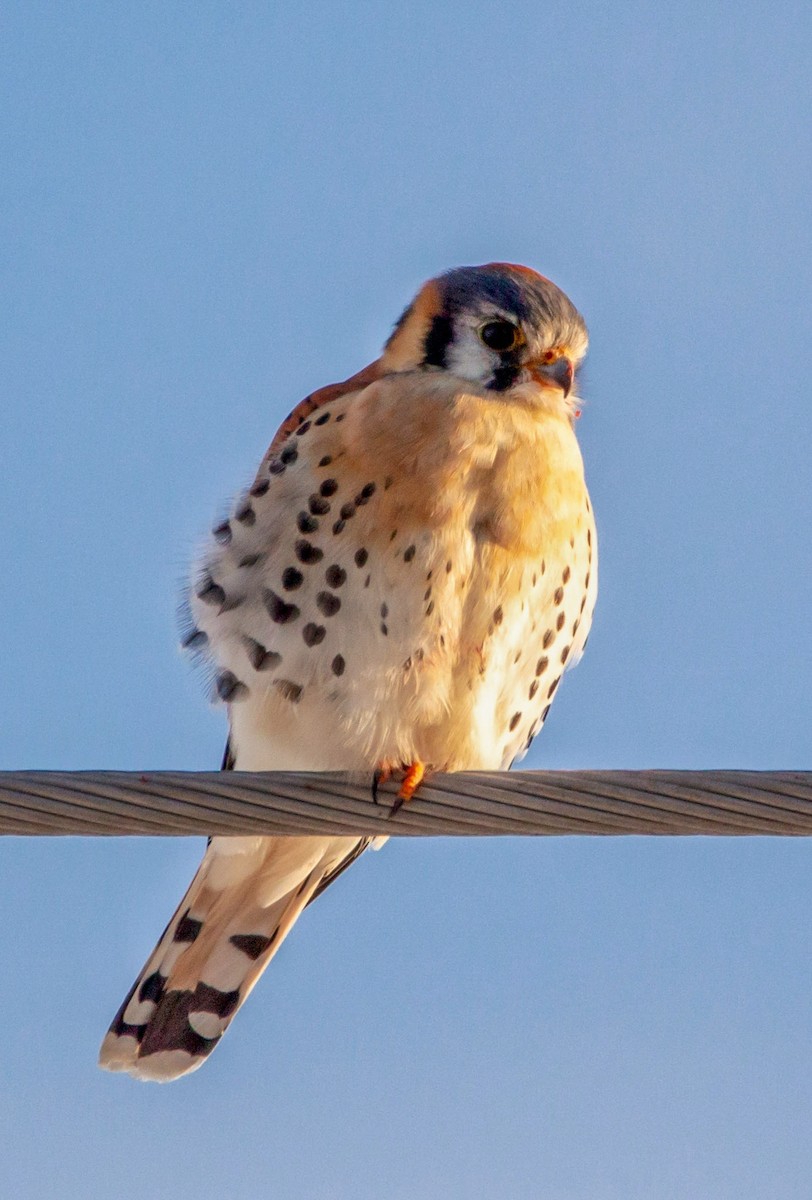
{"x":411,"y":781}
{"x":380,"y":775}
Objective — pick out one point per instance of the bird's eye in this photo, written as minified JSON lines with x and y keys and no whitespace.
{"x":500,"y":335}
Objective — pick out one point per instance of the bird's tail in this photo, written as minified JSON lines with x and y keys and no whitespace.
{"x":239,"y":907}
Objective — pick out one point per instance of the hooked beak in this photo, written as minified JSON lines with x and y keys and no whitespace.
{"x":559,"y":374}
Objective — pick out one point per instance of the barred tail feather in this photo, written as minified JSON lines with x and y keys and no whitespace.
{"x":245,"y":897}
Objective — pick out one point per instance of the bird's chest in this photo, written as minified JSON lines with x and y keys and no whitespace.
{"x":411,"y":601}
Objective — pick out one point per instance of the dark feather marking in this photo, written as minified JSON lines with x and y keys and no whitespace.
{"x":187,"y":929}
{"x":252,"y":944}
{"x":153,"y":987}
{"x":169,"y":1029}
{"x":437,"y":341}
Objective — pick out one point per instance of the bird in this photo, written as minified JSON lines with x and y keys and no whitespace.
{"x":399,"y":590}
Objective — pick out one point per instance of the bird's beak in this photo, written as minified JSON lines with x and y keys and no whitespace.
{"x":560,"y":373}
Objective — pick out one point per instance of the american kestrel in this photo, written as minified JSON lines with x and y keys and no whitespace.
{"x":401,"y":587}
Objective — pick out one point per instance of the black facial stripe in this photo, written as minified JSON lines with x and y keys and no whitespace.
{"x":438,"y":340}
{"x":506,"y":374}
{"x":503,"y":378}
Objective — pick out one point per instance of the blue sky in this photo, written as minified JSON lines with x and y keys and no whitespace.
{"x":210,"y":209}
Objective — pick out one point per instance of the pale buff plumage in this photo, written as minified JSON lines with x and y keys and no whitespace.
{"x":469,"y":581}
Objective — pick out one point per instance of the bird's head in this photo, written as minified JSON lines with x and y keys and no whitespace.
{"x":497,"y":327}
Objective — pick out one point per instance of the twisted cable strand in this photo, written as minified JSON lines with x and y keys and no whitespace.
{"x":471,"y":803}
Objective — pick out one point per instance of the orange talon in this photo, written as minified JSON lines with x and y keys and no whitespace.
{"x":411,"y":782}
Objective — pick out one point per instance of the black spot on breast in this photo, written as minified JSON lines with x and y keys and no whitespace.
{"x":306,"y":523}
{"x":329,"y":487}
{"x":552,"y":688}
{"x":308,"y":553}
{"x":559,"y":624}
{"x":337,"y":665}
{"x":260,"y":658}
{"x":347,"y":510}
{"x":409,"y":553}
{"x":384,"y":610}
{"x":290,"y":690}
{"x":210,"y":592}
{"x":246,"y":515}
{"x":195,"y":640}
{"x":335,"y":575}
{"x":327,"y":603}
{"x":323,"y":419}
{"x":318,"y":505}
{"x":558,"y":595}
{"x":565,"y":575}
{"x":366,"y":491}
{"x":534,"y":687}
{"x":289,"y":454}
{"x":542,"y":665}
{"x":275,"y":467}
{"x":361,"y":557}
{"x":514,"y":721}
{"x":384,"y":630}
{"x":303,"y":428}
{"x":259,"y":488}
{"x":278,"y":610}
{"x":222,"y":533}
{"x":325,"y":462}
{"x":230,"y":688}
{"x":339,"y":526}
{"x":292,"y":578}
{"x":250,"y":560}
{"x":313,"y":634}
{"x":565,"y":653}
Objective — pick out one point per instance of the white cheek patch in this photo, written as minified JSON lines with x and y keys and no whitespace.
{"x":468,"y":358}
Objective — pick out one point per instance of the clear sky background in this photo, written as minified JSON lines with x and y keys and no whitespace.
{"x":210,"y":209}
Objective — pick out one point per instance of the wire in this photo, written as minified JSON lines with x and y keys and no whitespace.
{"x":471,"y":803}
